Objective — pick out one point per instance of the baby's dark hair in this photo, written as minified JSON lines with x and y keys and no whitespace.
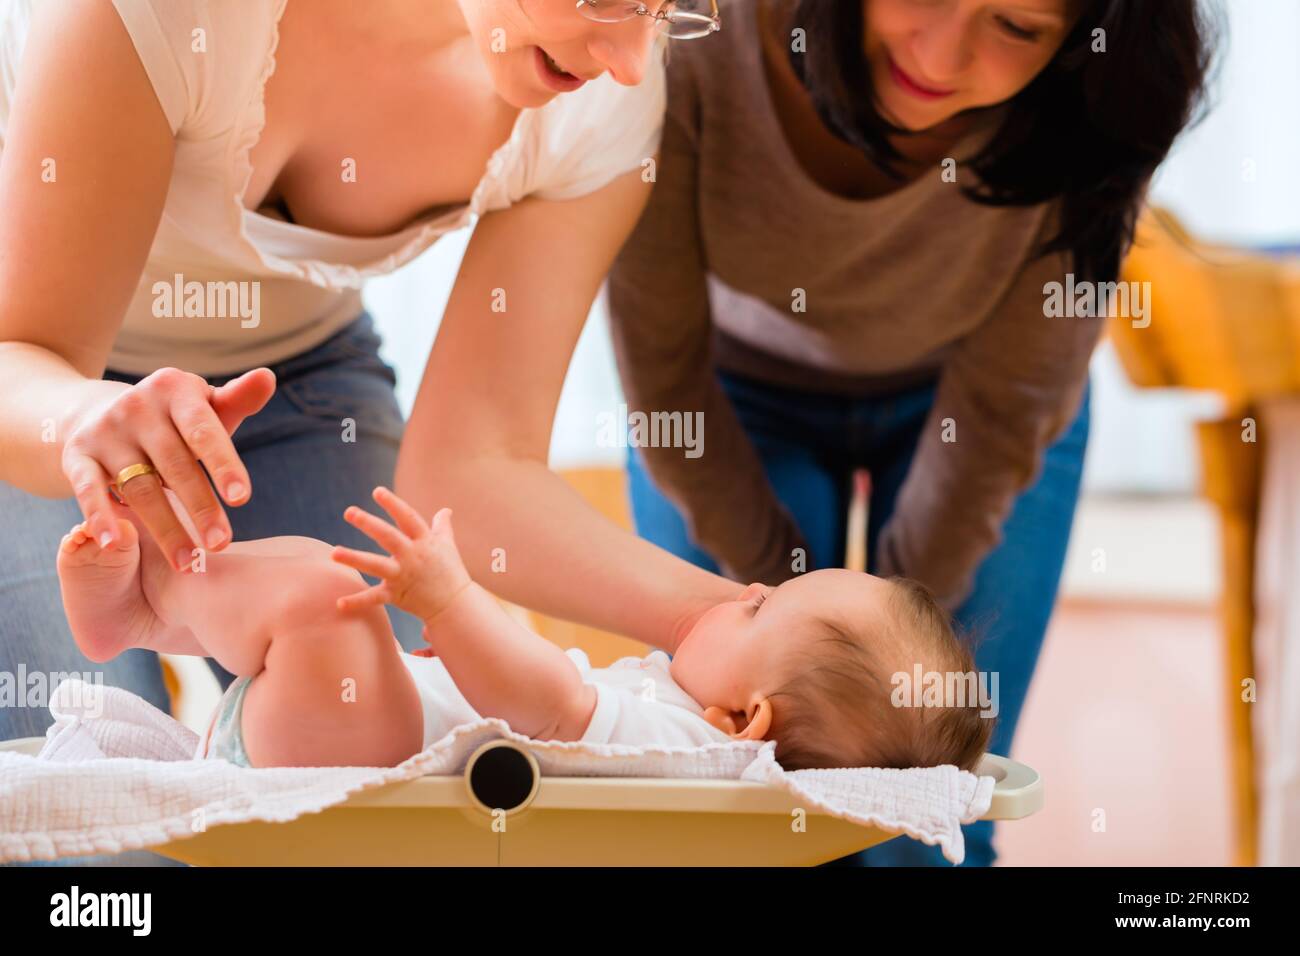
{"x":838,"y":709}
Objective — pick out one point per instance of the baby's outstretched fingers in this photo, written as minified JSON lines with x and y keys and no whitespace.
{"x":442,"y":520}
{"x":376,"y":565}
{"x":384,"y":534}
{"x":406,"y":517}
{"x":371,"y":596}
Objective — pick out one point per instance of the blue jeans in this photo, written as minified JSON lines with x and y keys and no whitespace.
{"x":304,"y":474}
{"x":809,"y":444}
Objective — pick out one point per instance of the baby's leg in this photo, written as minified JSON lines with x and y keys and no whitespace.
{"x":331,"y":688}
{"x":104,"y":594}
{"x":230,"y":606}
{"x":118,"y":599}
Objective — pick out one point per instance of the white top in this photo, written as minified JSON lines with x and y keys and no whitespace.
{"x":637,"y":703}
{"x":210,"y":86}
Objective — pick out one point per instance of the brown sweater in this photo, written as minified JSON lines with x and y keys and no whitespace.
{"x":918,"y":284}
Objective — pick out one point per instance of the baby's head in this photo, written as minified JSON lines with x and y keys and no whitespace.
{"x":814,"y":664}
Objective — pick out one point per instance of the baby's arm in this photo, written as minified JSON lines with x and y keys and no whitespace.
{"x":503,"y":669}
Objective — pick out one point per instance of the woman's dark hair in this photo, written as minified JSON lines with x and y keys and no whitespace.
{"x":1088,"y":132}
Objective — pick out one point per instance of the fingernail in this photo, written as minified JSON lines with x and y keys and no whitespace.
{"x":182,"y":558}
{"x":105,"y":539}
{"x":234,"y":490}
{"x":216,"y":538}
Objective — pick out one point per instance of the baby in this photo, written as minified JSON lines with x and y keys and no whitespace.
{"x":321,"y":681}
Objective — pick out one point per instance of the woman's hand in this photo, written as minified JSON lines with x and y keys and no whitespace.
{"x":424,"y":573}
{"x":172,"y":420}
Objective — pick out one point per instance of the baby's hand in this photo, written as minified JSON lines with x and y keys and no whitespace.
{"x":424,"y":573}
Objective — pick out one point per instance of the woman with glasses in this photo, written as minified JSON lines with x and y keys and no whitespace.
{"x":861,"y":207}
{"x":192,"y":193}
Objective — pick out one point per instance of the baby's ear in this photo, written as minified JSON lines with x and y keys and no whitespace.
{"x":721,"y":719}
{"x":760,"y":723}
{"x":734,"y":724}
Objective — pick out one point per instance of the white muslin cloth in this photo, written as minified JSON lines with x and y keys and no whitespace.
{"x":116,"y":774}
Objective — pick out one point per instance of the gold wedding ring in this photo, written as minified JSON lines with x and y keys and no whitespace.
{"x":132,"y":471}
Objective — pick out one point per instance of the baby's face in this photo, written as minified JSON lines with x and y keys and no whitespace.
{"x":741,"y":651}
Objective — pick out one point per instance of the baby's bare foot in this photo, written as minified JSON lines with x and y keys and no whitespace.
{"x":102,"y":596}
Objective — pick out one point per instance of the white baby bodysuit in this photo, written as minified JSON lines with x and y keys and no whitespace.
{"x":637,"y":702}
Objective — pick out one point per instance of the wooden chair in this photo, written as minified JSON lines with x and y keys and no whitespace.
{"x":1229,"y":322}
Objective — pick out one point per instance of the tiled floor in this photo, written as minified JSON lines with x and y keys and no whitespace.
{"x":1125,"y":722}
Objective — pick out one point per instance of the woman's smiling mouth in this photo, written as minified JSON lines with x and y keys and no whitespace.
{"x":553,"y":75}
{"x":909,"y":85}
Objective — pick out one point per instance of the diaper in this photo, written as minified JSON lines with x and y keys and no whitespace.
{"x":224,"y":739}
{"x":444,"y":708}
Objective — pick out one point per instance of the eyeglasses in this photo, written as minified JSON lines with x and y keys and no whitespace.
{"x":679,"y":19}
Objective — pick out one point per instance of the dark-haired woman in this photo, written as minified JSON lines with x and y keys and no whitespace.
{"x":843,"y":266}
